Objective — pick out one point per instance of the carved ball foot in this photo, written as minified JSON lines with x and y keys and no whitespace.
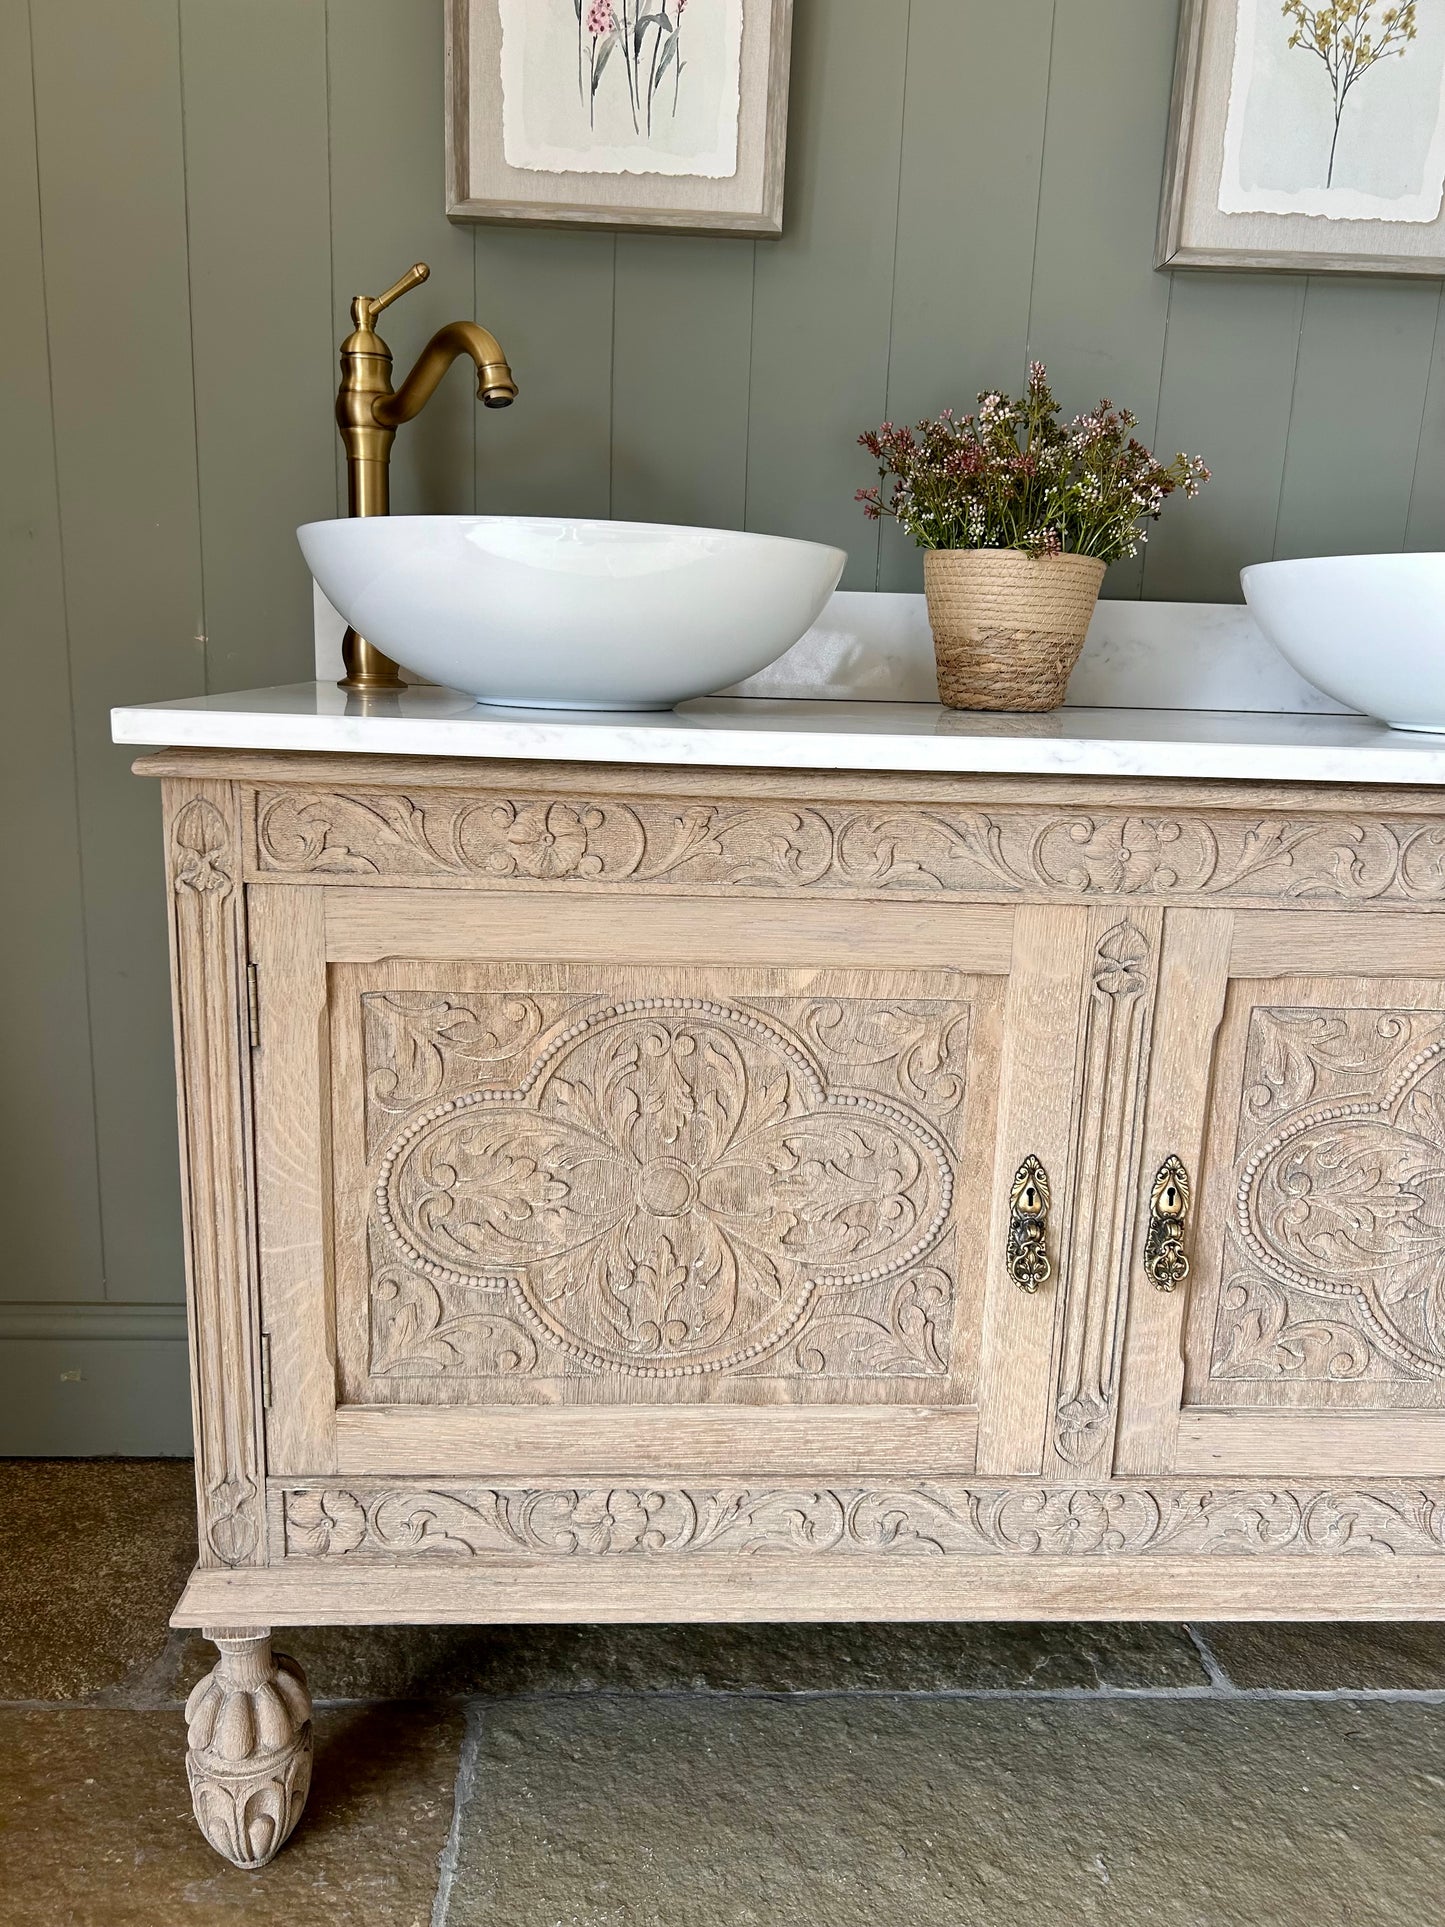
{"x":248,"y":1753}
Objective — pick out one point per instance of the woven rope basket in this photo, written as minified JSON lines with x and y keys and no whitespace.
{"x":1008,"y":628}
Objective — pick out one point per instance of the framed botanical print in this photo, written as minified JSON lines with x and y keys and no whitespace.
{"x":619,"y":113}
{"x":1307,"y":136}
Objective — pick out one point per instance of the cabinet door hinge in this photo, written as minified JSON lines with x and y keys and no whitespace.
{"x":265,"y":1371}
{"x":253,"y":1007}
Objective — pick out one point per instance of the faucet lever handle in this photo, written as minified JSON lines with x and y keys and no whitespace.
{"x":366,"y":307}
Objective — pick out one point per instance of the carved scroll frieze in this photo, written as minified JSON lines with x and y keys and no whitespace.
{"x":529,"y":841}
{"x":923,"y":851}
{"x":365,"y":1521}
{"x":1109,"y":1104}
{"x":671,"y":1187}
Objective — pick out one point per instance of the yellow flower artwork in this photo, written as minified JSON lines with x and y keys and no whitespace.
{"x":1336,"y":110}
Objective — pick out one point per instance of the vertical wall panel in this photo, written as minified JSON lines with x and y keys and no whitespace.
{"x":112,"y":191}
{"x":824,"y":291}
{"x":965,"y":221}
{"x":1229,"y":369}
{"x":387,"y":210}
{"x":254,"y":85}
{"x":681,"y":354}
{"x":548,"y":297}
{"x":49,"y":1202}
{"x":1425,"y":528}
{"x":1100,"y":309}
{"x":1364,"y":364}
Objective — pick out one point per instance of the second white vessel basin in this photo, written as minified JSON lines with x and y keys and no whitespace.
{"x":562,"y":614}
{"x":1367,"y":629}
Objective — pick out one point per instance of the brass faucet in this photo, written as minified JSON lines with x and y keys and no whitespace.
{"x":369,"y":412}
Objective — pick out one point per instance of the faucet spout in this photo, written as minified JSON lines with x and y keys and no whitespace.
{"x":368,"y":414}
{"x":495,"y":385}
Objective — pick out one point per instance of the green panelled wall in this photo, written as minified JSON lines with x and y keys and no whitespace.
{"x":190,"y":192}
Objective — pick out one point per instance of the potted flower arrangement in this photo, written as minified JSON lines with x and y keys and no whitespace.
{"x":1019,"y":517}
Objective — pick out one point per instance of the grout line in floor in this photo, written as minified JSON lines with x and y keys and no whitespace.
{"x":449,"y":1858}
{"x":474,"y":1703}
{"x":1409,"y":1695}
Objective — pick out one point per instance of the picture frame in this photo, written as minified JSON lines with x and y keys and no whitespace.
{"x":681,"y":111}
{"x":1252,"y":176}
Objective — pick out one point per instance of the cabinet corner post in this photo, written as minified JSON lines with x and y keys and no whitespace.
{"x":212,"y":1029}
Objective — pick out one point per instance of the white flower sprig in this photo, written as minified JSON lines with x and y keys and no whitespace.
{"x":1013,"y":477}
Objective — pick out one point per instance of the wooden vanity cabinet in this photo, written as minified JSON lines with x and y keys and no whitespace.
{"x":608,"y":1197}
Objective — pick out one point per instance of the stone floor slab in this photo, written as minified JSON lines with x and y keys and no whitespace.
{"x":1326,"y":1658}
{"x":96,"y":1827}
{"x":988,"y":1813}
{"x":423,"y":1662}
{"x":93,"y":1556}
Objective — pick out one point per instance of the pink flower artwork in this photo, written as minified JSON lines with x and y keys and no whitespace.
{"x":648,"y":36}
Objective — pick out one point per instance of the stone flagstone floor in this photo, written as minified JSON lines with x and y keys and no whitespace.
{"x":959,"y":1776}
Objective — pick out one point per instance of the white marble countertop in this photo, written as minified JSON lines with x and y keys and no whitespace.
{"x":797,"y":734}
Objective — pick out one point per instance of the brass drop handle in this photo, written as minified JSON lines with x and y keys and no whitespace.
{"x":1027,"y":1254}
{"x":1166,"y":1262}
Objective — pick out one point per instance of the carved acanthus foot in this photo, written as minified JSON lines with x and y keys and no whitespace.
{"x":248,"y":1753}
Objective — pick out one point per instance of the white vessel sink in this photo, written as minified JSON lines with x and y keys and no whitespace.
{"x":567,"y":614}
{"x":1367,"y":629}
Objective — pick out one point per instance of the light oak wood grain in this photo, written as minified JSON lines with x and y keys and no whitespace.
{"x":587,"y":1442}
{"x":1274,"y":943}
{"x":1036,"y":1106}
{"x":213,"y":1083}
{"x":1192,"y":978}
{"x":367,"y":925}
{"x":660,"y":1591}
{"x":293,"y":1176}
{"x":1329,"y":1444}
{"x":502,"y":1382}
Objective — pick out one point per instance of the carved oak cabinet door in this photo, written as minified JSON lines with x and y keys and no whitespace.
{"x":1299,"y":1077}
{"x":564,"y":1188}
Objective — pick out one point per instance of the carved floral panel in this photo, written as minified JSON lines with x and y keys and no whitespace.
{"x":360,"y":1522}
{"x":924,"y":851}
{"x":666,"y":1189}
{"x":1334,"y":1262}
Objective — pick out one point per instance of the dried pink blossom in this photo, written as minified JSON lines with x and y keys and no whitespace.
{"x":599,"y":17}
{"x":1013,"y":477}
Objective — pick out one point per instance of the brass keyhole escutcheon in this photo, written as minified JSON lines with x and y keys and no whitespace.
{"x":1166,"y":1262}
{"x":1027,"y":1257}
